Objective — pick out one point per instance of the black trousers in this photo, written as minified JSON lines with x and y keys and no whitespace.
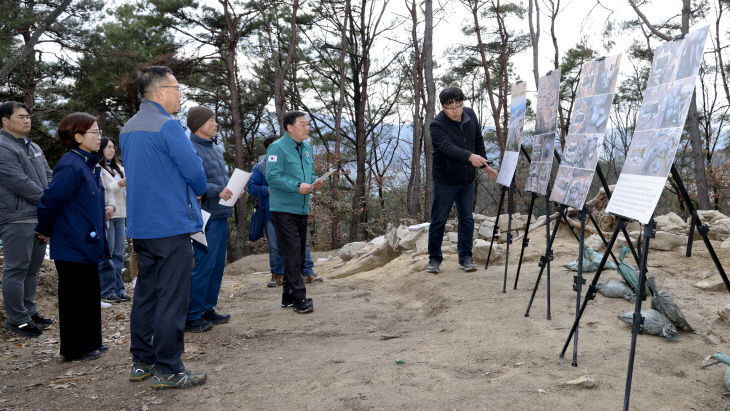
{"x":161,"y":297}
{"x":291,"y":231}
{"x":79,"y":308}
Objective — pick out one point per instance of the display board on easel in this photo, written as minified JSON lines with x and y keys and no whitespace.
{"x":587,"y":129}
{"x":514,"y":134}
{"x":658,"y":127}
{"x":548,"y":98}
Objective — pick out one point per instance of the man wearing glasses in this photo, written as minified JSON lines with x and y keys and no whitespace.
{"x":164,"y":176}
{"x":458,"y":150}
{"x":24,"y":174}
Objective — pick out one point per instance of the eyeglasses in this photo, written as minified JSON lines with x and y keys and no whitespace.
{"x":177,"y":88}
{"x":454,"y":108}
{"x":94,"y":132}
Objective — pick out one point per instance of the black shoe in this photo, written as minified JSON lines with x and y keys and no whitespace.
{"x":198,"y":326}
{"x":467,"y":264}
{"x":91,"y":355}
{"x":433,"y":267}
{"x":289,"y":303}
{"x":124,"y":297}
{"x":304,"y":306}
{"x":111,"y":299}
{"x":28,"y":329}
{"x":215,"y":318}
{"x":41,"y":322}
{"x":103,"y":348}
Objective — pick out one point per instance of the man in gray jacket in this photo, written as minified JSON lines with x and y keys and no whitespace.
{"x":24,"y":174}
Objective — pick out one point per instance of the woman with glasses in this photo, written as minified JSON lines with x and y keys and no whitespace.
{"x":71,"y":215}
{"x":115,"y":190}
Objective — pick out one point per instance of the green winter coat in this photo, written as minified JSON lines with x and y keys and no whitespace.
{"x":287,"y":165}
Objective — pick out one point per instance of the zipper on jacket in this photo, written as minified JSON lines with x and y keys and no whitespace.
{"x":304,"y":174}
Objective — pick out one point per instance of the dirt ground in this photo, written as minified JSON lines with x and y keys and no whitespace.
{"x":463,"y":344}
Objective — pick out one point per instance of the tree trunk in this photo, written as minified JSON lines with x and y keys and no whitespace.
{"x":534,"y":37}
{"x":698,"y":153}
{"x":336,"y":235}
{"x":414,"y":181}
{"x":229,"y":57}
{"x":430,"y":106}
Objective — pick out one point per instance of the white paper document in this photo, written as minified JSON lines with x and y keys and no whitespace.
{"x":325,"y":175}
{"x":236,"y":184}
{"x":200,"y":236}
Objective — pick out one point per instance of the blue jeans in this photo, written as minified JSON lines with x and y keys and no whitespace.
{"x":444,"y":197}
{"x":110,"y":271}
{"x":276,"y":262}
{"x":208,"y":270}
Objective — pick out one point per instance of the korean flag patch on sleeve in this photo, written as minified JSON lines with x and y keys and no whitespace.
{"x":272,"y":159}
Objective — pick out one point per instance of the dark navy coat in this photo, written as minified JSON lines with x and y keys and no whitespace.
{"x":71,"y":210}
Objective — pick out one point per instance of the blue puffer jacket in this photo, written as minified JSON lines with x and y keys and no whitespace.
{"x":163,"y":175}
{"x":216,"y":176}
{"x":259,"y":188}
{"x":71,"y":210}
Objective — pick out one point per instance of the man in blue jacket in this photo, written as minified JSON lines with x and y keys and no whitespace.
{"x":24,"y":173}
{"x":164,"y":176}
{"x":290,"y":173}
{"x":210,"y":260}
{"x":458,"y":150}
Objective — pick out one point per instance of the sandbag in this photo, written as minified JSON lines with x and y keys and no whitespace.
{"x":630,"y":274}
{"x":615,"y":289}
{"x":655,"y":323}
{"x":591,"y":261}
{"x":663,"y":302}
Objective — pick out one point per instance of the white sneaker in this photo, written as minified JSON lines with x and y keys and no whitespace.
{"x":105,"y":305}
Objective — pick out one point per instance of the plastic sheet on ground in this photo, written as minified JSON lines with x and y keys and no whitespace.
{"x":663,"y":302}
{"x":616,"y":289}
{"x":591,"y":261}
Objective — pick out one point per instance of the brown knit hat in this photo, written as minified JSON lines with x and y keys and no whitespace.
{"x":197,"y":116}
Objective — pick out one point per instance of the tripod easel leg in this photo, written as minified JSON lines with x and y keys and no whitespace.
{"x":525,"y":238}
{"x":649,"y":231}
{"x":578,"y":282}
{"x":496,"y":226}
{"x":543,"y":261}
{"x":548,"y":251}
{"x":510,"y":203}
{"x":591,"y":293}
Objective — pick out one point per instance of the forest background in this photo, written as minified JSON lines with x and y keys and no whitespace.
{"x":366,"y":73}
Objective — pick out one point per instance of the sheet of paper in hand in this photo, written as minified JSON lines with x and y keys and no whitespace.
{"x":236,"y":184}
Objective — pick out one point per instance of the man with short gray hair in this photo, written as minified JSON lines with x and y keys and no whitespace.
{"x":24,"y":174}
{"x":164,"y":176}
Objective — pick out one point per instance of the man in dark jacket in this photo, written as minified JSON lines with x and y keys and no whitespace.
{"x":210,"y":260}
{"x":458,"y":150}
{"x":24,"y":174}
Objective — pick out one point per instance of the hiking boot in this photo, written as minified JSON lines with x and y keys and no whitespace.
{"x":141,"y":371}
{"x":304,"y":306}
{"x":41,"y":322}
{"x":124,"y":297}
{"x":275,"y":281}
{"x":198,"y":326}
{"x":433,"y":267}
{"x":467,"y":264}
{"x":184,"y":379}
{"x":111,"y":299}
{"x":28,"y":329}
{"x":313,"y":278}
{"x":215,"y":318}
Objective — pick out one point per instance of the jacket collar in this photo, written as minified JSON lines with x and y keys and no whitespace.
{"x":23,"y":140}
{"x":151,"y":105}
{"x":465,"y":118}
{"x":286,"y":139}
{"x":200,"y":140}
{"x":90,"y":159}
